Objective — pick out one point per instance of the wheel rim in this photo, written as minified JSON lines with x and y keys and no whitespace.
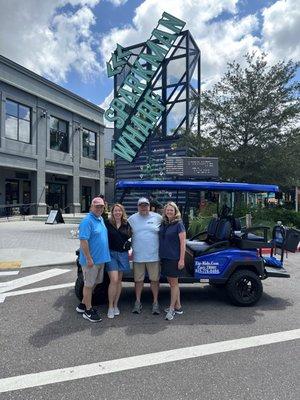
{"x":247,"y":289}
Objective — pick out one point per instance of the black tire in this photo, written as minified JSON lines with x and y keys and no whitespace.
{"x":100,"y":295}
{"x":244,"y":288}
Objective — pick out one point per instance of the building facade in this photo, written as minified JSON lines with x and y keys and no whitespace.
{"x":51,"y":145}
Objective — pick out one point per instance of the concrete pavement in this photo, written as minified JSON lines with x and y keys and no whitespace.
{"x":33,"y":243}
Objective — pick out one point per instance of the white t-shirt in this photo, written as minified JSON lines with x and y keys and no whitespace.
{"x":145,"y":240}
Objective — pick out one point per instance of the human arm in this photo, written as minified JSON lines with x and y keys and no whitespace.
{"x":182,"y":238}
{"x":84,"y":245}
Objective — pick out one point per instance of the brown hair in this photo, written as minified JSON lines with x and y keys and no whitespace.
{"x":177,"y":216}
{"x":124,"y":215}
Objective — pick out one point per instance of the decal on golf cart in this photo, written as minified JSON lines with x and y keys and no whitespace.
{"x":207,"y":267}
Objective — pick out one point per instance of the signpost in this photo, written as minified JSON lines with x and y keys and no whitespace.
{"x":192,"y":167}
{"x":55,"y":217}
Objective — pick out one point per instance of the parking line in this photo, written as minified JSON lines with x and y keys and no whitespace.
{"x":34,"y":290}
{"x":146,"y":360}
{"x":28,"y":280}
{"x":8,"y":273}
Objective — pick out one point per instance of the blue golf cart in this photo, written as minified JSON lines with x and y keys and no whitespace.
{"x":226,"y":254}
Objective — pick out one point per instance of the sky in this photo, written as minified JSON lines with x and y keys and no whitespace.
{"x":69,"y":41}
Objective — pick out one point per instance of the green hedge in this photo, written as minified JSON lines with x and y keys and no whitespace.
{"x":260,"y":217}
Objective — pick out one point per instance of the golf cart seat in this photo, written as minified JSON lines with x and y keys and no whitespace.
{"x":199,"y":246}
{"x":222,"y":236}
{"x":246,"y":239}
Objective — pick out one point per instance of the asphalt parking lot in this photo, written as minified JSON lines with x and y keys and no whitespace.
{"x":41,"y":332}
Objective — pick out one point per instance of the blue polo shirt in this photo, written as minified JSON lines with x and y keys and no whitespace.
{"x":93,"y":230}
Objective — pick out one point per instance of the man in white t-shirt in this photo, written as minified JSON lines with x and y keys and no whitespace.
{"x":145,"y":242}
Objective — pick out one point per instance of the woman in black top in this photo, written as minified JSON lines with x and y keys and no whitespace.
{"x":119,"y":232}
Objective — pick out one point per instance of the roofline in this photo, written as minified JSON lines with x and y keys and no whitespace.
{"x":49,"y":83}
{"x":198,"y":185}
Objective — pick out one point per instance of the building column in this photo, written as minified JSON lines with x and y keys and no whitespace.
{"x":101,"y":160}
{"x":76,"y":206}
{"x":75,"y":132}
{"x":39,"y":191}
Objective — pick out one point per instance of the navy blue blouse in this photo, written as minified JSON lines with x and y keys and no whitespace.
{"x":169,"y":243}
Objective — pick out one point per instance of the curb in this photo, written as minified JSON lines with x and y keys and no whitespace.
{"x":51,"y":265}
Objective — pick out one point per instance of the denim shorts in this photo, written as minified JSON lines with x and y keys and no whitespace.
{"x":119,"y":261}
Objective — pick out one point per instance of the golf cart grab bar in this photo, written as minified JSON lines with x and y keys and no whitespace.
{"x":198,"y":234}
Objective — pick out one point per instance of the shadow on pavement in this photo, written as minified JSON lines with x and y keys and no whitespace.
{"x":202,"y":306}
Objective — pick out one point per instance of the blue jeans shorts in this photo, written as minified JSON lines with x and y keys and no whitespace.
{"x":119,"y":261}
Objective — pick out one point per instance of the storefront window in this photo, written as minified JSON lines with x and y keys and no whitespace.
{"x":59,"y":137}
{"x":17,"y":121}
{"x":89,"y":144}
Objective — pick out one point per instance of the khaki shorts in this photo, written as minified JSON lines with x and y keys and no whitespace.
{"x":94,"y":275}
{"x":153,"y":269}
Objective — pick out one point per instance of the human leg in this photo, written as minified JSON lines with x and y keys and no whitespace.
{"x":119,"y":289}
{"x":139,"y":270}
{"x":92,"y":276}
{"x":112,"y":288}
{"x":153,"y":269}
{"x":173,"y":282}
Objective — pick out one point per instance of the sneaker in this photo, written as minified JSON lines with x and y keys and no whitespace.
{"x":116,"y":311}
{"x":170,"y":315}
{"x":81,"y":308}
{"x":137,"y":308}
{"x":111,"y":313}
{"x":178,"y":311}
{"x":91,"y":315}
{"x":155,"y":309}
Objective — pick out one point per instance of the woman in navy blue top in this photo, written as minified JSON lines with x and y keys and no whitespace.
{"x":171,"y":251}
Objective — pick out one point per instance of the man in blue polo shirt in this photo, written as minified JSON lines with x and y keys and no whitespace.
{"x":94,"y":253}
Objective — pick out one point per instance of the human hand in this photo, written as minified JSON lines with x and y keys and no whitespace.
{"x":90,"y":262}
{"x":180,"y":264}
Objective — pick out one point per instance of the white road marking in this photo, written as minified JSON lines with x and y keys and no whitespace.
{"x":8,"y":273}
{"x":34,"y":290}
{"x":145,"y":360}
{"x":28,"y":280}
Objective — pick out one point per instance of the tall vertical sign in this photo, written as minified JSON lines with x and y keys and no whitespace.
{"x":136,"y":109}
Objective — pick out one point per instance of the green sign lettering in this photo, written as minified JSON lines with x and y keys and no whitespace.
{"x":144,"y":108}
{"x":172,"y":23}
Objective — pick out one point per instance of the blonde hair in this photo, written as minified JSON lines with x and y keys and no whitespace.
{"x":177,"y":216}
{"x":124,"y":215}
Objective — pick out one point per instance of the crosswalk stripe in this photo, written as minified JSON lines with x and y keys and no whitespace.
{"x":28,"y":280}
{"x":146,"y":360}
{"x":34,"y":290}
{"x":8,"y":273}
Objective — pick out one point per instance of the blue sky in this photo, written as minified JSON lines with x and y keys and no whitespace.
{"x":68,"y":41}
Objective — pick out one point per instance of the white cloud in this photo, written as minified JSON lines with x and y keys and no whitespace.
{"x":219,"y":40}
{"x":43,"y":37}
{"x":281,"y":30}
{"x":117,"y":3}
{"x":106,"y":102}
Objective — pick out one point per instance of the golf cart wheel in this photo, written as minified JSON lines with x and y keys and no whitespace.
{"x":244,"y":288}
{"x":100,"y":293}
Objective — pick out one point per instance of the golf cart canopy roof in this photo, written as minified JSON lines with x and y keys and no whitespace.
{"x":194,"y":185}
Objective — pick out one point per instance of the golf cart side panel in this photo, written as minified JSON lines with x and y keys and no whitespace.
{"x":219,"y":265}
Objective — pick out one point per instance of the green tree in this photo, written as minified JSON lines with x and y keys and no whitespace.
{"x":250,"y":120}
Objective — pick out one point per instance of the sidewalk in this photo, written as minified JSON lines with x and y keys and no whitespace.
{"x":33,"y":243}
